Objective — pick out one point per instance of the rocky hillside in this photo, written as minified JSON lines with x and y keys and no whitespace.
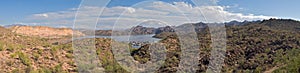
{"x":140,"y":30}
{"x":24,"y":54}
{"x":282,"y":24}
{"x":251,"y":48}
{"x":43,"y":31}
{"x":103,"y":32}
{"x":137,"y":30}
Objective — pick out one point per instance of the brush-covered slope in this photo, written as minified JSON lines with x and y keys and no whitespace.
{"x":44,"y":31}
{"x":251,"y":48}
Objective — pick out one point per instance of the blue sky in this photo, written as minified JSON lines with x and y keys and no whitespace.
{"x":20,"y":11}
{"x":15,"y":10}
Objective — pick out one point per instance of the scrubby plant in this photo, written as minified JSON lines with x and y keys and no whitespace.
{"x":2,"y":46}
{"x":44,"y":70}
{"x":54,"y":49}
{"x":36,"y":55}
{"x":291,"y":61}
{"x":9,"y":63}
{"x":68,"y":55}
{"x":24,"y":58}
{"x":10,"y":48}
{"x":16,"y":71}
{"x":57,"y":69}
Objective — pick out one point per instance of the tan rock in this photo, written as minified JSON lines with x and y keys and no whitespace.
{"x":43,"y":31}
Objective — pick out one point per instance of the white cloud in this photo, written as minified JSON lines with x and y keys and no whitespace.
{"x":41,"y":15}
{"x":173,"y":14}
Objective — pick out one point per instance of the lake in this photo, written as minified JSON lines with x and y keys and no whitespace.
{"x":136,"y":41}
{"x":128,"y":38}
{"x":131,"y":38}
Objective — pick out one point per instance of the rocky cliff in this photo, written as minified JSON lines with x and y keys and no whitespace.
{"x":43,"y":31}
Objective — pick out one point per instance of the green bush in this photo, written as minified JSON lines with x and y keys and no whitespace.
{"x":2,"y":47}
{"x":36,"y":55}
{"x":57,"y":69}
{"x":24,"y":58}
{"x":68,"y":55}
{"x":291,"y":62}
{"x":16,"y":71}
{"x":44,"y":70}
{"x":54,"y":49}
{"x":10,"y":48}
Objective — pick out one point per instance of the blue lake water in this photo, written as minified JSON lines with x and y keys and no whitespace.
{"x":136,"y":40}
{"x":130,"y":38}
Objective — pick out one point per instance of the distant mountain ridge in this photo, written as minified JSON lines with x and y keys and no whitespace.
{"x":282,"y":24}
{"x":43,"y":31}
{"x":141,"y":30}
{"x":275,"y":24}
{"x":12,"y":25}
{"x":251,"y":47}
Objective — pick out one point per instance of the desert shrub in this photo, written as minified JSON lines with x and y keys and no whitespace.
{"x":68,"y":55}
{"x":13,"y":47}
{"x":9,"y":63}
{"x":36,"y":55}
{"x":2,"y":46}
{"x":291,"y":61}
{"x":16,"y":71}
{"x":24,"y":58}
{"x":258,"y":70}
{"x":57,"y":69}
{"x":54,"y":49}
{"x":44,"y":70}
{"x":67,"y":47}
{"x":132,"y":49}
{"x":110,"y":65}
{"x":29,"y":70}
{"x":40,"y":51}
{"x":47,"y":45}
{"x":10,"y":48}
{"x":14,"y":55}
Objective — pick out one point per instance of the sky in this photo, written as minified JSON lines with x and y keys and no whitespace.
{"x":128,"y":13}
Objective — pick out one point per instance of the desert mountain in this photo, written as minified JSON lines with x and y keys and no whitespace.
{"x":282,"y":24}
{"x":43,"y":31}
{"x":254,"y":47}
{"x":137,"y":30}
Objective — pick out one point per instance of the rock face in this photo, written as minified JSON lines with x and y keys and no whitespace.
{"x":138,"y":30}
{"x":103,"y":32}
{"x":164,"y":29}
{"x":142,"y":30}
{"x":4,"y":30}
{"x":163,"y":35}
{"x":43,"y":31}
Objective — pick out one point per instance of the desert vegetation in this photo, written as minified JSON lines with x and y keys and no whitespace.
{"x":255,"y":47}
